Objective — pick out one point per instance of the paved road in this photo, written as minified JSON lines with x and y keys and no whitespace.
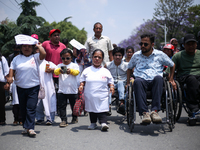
{"x":77,"y":137}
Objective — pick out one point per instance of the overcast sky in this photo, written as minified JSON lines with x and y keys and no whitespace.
{"x":119,"y":17}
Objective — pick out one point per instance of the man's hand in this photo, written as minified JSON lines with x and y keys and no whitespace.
{"x":112,"y":90}
{"x":173,"y":84}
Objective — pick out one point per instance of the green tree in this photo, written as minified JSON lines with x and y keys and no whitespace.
{"x":193,"y":19}
{"x":172,"y":13}
{"x":69,"y":31}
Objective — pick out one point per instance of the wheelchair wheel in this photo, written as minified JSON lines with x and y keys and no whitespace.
{"x":178,"y":101}
{"x":130,"y":119}
{"x":169,"y":111}
{"x":127,"y":104}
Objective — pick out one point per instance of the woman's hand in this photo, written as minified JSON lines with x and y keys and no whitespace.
{"x":80,"y":89}
{"x":49,"y":70}
{"x":7,"y":87}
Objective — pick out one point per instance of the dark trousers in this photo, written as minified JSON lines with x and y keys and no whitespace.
{"x":2,"y":102}
{"x":140,"y":90}
{"x":101,"y":116}
{"x":28,"y":99}
{"x":17,"y":113}
{"x":56,"y":85}
{"x":62,"y":104}
{"x":192,"y":91}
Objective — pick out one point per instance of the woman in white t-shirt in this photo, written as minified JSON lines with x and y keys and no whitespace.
{"x":25,"y":69}
{"x":96,"y":81}
{"x":4,"y":70}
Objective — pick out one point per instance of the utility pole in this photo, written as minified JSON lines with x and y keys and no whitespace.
{"x":165,"y":31}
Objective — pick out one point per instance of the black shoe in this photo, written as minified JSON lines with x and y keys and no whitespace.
{"x":74,"y":120}
{"x":48,"y":122}
{"x":3,"y":123}
{"x":39,"y":122}
{"x":121,"y":109}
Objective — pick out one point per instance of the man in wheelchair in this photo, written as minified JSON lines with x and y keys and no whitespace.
{"x":118,"y":69}
{"x":188,"y":72}
{"x":148,"y":72}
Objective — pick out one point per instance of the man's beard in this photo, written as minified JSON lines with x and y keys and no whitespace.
{"x":143,"y":52}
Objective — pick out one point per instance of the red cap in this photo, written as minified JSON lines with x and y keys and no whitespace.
{"x":52,"y":31}
{"x":169,"y":46}
{"x":35,"y":36}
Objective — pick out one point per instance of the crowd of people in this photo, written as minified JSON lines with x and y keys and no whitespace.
{"x":97,"y":71}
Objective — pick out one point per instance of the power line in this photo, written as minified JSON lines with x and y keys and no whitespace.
{"x":13,"y":4}
{"x":48,"y":10}
{"x":9,"y":7}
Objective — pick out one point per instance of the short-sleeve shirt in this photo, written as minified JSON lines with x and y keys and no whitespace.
{"x":68,"y":82}
{"x":151,"y":66}
{"x":119,"y":73}
{"x":5,"y":70}
{"x":26,"y":70}
{"x":102,"y":43}
{"x":96,"y":90}
{"x":186,"y":64}
{"x":53,"y":52}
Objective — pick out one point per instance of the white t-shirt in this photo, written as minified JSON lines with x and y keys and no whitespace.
{"x":96,"y":90}
{"x":68,"y":82}
{"x":5,"y":68}
{"x":26,"y":72}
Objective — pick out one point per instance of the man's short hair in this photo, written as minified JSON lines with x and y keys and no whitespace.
{"x":65,"y":41}
{"x":118,"y":50}
{"x":150,"y":36}
{"x":96,"y":24}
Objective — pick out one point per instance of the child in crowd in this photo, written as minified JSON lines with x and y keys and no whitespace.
{"x":68,"y":89}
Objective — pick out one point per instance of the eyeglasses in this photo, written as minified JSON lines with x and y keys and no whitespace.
{"x":63,"y":58}
{"x":145,"y":44}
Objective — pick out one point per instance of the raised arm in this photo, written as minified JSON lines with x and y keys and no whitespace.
{"x":41,"y":51}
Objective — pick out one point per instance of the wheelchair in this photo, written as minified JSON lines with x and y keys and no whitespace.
{"x":166,"y":105}
{"x":179,"y":97}
{"x":115,"y":100}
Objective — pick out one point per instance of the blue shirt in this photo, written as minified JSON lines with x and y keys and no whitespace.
{"x":151,"y":66}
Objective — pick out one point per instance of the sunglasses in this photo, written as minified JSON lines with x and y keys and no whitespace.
{"x":145,"y":44}
{"x":63,"y":58}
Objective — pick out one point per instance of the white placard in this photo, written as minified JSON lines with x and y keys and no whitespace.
{"x":76,"y":44}
{"x":25,"y":39}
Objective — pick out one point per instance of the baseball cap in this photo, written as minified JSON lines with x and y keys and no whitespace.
{"x":35,"y":36}
{"x":189,"y":38}
{"x":169,"y":46}
{"x":53,"y":30}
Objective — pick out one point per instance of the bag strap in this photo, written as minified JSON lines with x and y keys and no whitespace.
{"x":3,"y":68}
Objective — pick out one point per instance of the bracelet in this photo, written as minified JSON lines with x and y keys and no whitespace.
{"x":112,"y":86}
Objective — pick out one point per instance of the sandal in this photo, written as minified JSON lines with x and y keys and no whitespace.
{"x":31,"y":133}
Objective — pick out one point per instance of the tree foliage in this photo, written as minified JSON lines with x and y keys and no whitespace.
{"x":150,"y":26}
{"x":179,"y":16}
{"x":172,"y":13}
{"x":69,"y":31}
{"x":29,"y":23}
